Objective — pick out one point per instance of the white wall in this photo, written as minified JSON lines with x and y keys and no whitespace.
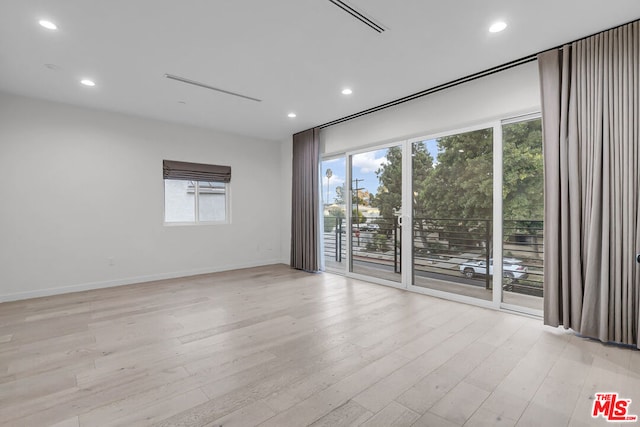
{"x":81,"y":186}
{"x":286,"y":147}
{"x":511,"y":92}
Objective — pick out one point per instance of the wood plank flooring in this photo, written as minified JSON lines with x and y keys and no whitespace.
{"x":272,"y":346}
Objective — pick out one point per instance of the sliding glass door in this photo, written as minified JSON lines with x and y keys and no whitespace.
{"x":376,"y":205}
{"x":523,"y":212}
{"x":458,"y":215}
{"x":334,"y":206}
{"x":452,"y":182}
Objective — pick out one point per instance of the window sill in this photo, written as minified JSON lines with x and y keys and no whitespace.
{"x":191,"y":224}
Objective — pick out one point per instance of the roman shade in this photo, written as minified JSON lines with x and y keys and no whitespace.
{"x":172,"y":169}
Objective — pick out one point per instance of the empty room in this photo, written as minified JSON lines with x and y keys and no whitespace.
{"x":319,"y":213}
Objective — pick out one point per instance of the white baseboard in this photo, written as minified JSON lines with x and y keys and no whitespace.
{"x":129,"y":281}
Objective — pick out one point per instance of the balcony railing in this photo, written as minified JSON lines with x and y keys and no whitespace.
{"x":446,"y":249}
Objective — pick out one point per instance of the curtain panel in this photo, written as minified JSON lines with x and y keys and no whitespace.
{"x":590,"y":112}
{"x":305,"y":201}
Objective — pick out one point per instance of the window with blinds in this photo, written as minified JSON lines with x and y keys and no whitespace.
{"x":196,"y":193}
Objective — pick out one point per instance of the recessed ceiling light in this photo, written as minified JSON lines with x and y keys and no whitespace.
{"x":48,"y":24}
{"x":497,"y":27}
{"x":347,"y":91}
{"x":291,"y":115}
{"x":87,"y":82}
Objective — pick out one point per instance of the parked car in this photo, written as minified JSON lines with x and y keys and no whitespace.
{"x":512,"y":269}
{"x":362,"y":227}
{"x":369,"y":227}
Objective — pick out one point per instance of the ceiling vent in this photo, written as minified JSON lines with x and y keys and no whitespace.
{"x":358,"y":15}
{"x":206,"y":86}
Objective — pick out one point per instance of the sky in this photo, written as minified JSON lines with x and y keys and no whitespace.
{"x":338,"y":167}
{"x":364,"y":168}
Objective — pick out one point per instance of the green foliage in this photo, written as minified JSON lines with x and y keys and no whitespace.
{"x":386,"y":226}
{"x":357,"y":217}
{"x":380,"y":243}
{"x":339,"y":199}
{"x":389,"y":196}
{"x":336,"y":212}
{"x":460,"y":184}
{"x":329,"y":173}
{"x":330,"y":223}
{"x":522,"y":189}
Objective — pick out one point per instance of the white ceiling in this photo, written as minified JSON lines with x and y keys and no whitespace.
{"x":294,"y":55}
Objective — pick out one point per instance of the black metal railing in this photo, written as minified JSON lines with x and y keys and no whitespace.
{"x":523,"y":240}
{"x":379,"y":240}
{"x":441,"y":247}
{"x":334,"y":244}
{"x":447,"y":249}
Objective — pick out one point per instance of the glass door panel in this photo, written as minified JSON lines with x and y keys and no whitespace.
{"x":376,"y":201}
{"x":450,"y":239}
{"x":452,"y":184}
{"x":334,"y":207}
{"x":523,"y":213}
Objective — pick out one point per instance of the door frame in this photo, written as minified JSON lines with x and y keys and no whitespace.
{"x":406,"y":249}
{"x":402,"y":284}
{"x":325,"y":158}
{"x":497,"y":213}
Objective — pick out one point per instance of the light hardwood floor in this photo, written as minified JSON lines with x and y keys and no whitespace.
{"x":272,"y":346}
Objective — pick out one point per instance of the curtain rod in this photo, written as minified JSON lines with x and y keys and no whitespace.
{"x":459,"y":81}
{"x":434,"y":89}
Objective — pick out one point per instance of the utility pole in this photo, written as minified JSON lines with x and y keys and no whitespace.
{"x":357,"y":180}
{"x":329,"y":175}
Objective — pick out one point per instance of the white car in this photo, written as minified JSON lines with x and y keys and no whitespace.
{"x":370,"y":227}
{"x":511,"y":269}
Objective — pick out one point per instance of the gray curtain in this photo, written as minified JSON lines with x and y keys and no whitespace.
{"x":590,"y":112}
{"x":305,"y":201}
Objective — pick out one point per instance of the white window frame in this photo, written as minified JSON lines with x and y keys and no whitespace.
{"x":407,"y":268}
{"x":196,"y":187}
